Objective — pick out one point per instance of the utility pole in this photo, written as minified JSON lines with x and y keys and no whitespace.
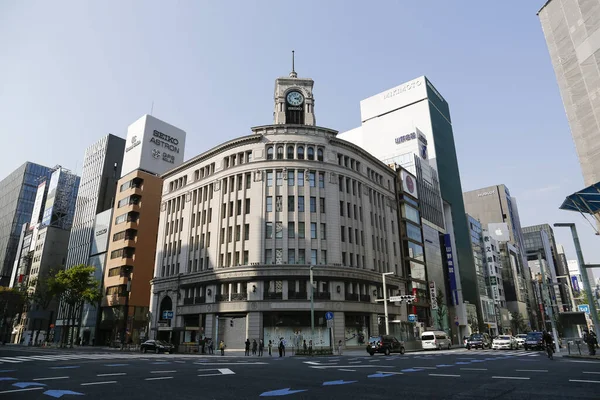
{"x":385,"y":306}
{"x":312,"y":304}
{"x":548,"y":303}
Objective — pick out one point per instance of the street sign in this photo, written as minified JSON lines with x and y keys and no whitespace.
{"x":330,"y":323}
{"x":584,"y":308}
{"x":167,"y":315}
{"x":328,"y":315}
{"x":412,"y":317}
{"x":456,"y":321}
{"x":395,"y":298}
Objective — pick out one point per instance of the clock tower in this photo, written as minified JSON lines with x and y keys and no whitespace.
{"x":294,"y":102}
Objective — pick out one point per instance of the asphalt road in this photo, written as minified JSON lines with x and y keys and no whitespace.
{"x":457,"y":374}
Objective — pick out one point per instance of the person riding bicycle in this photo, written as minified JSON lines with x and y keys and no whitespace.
{"x":548,"y":341}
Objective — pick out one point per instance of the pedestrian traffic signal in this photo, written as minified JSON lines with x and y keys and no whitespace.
{"x":231,"y":323}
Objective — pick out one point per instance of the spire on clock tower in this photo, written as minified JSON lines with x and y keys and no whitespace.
{"x":294,"y":102}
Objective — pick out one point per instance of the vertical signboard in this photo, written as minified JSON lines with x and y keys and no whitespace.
{"x":575,"y":283}
{"x":451,"y":273}
{"x":37,"y":206}
{"x":432,"y":295}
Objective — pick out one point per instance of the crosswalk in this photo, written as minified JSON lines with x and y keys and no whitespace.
{"x":69,"y":357}
{"x":465,"y":353}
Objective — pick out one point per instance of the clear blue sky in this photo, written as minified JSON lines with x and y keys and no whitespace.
{"x":72,"y":71}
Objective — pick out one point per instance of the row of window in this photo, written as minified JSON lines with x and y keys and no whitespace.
{"x":310,"y":176}
{"x":230,"y":234}
{"x":238,"y":158}
{"x":134,"y":199}
{"x":238,"y":208}
{"x":125,"y":252}
{"x":349,"y":162}
{"x":296,"y":256}
{"x":128,"y":234}
{"x":229,"y":183}
{"x":277,"y":152}
{"x":131,"y":216}
{"x":292,"y":206}
{"x":291,"y":229}
{"x":132,"y":184}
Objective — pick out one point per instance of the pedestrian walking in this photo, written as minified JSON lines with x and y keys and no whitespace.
{"x":310,"y":347}
{"x":247,"y":346}
{"x":280,"y":347}
{"x":222,"y":347}
{"x":261,"y":347}
{"x":589,"y":337}
{"x":254,"y":347}
{"x":304,"y":346}
{"x":211,"y":349}
{"x":270,"y":346}
{"x":340,"y":347}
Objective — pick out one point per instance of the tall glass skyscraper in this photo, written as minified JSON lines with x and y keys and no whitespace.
{"x":17,"y":197}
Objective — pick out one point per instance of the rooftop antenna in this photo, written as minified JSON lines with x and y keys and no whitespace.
{"x":152,"y":108}
{"x":293,"y":74}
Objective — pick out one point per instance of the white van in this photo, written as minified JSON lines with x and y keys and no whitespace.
{"x":435,"y":340}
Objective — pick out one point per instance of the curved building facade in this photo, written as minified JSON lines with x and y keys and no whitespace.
{"x":241,"y":224}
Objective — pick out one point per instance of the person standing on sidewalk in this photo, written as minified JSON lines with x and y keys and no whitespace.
{"x":222,"y":347}
{"x":247,"y":347}
{"x":261,"y":347}
{"x":340,"y":348}
{"x":270,"y":347}
{"x":254,"y":347}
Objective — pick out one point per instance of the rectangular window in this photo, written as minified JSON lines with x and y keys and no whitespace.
{"x":300,"y":178}
{"x":239,"y":182}
{"x":247,"y":207}
{"x":322,"y":204}
{"x":411,"y":213}
{"x":311,"y":179}
{"x":414,"y":232}
{"x":301,"y":256}
{"x":343,"y":233}
{"x":349,"y":209}
{"x":269,"y":230}
{"x":313,"y":204}
{"x":121,"y":218}
{"x":291,"y":256}
{"x":248,"y":180}
{"x":321,"y":179}
{"x":230,"y":209}
{"x":268,"y":256}
{"x":238,"y":207}
{"x":301,"y":231}
{"x":246,"y":257}
{"x":291,"y":203}
{"x":313,"y":257}
{"x":269,"y":178}
{"x":278,"y":230}
{"x":300,"y":203}
{"x":323,"y":256}
{"x":291,"y":229}
{"x":343,"y":258}
{"x":278,"y":203}
{"x":269,"y":203}
{"x":313,"y":230}
{"x":246,"y":231}
{"x":291,"y":175}
{"x":279,"y":178}
{"x":229,"y":234}
{"x":341,"y":208}
{"x":222,"y":235}
{"x":349,"y":235}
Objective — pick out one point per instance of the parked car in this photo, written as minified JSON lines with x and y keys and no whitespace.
{"x":157,"y":346}
{"x":534,"y":341}
{"x":521,"y":340}
{"x":504,"y":342}
{"x":435,"y":340}
{"x":385,"y":344}
{"x":479,"y":341}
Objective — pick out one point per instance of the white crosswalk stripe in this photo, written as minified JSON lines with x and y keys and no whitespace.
{"x":72,"y":357}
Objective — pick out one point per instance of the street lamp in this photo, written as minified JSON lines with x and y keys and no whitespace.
{"x":385,"y":308}
{"x":312,"y":303}
{"x":547,"y":303}
{"x":583,"y":266}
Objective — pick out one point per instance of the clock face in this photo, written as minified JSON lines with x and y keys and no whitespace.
{"x":295,"y":98}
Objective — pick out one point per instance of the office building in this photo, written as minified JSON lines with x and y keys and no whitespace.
{"x":570,"y":29}
{"x":495,"y":209}
{"x":17,"y":196}
{"x":101,"y":169}
{"x":410,"y":125}
{"x":241,"y":224}
{"x":153,"y":147}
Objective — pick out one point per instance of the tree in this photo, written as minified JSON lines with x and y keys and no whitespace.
{"x":442,"y":310}
{"x":12,"y":302}
{"x":46,"y":289}
{"x":76,"y":286}
{"x":473,"y":321}
{"x":518,"y":322}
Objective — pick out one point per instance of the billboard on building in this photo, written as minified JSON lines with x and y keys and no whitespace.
{"x":101,"y":232}
{"x":37,"y":205}
{"x":409,"y":183}
{"x":153,"y":146}
{"x":499,"y":231}
{"x":50,"y":198}
{"x":392,"y":99}
{"x":451,"y":271}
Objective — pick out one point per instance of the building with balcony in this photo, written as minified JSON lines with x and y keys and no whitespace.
{"x":241,"y":225}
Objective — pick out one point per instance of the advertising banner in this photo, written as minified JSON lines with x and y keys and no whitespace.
{"x":575,"y":283}
{"x":451,"y":273}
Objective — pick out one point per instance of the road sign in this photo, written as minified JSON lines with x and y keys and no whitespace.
{"x":412,"y":317}
{"x":330,"y":323}
{"x":395,"y":298}
{"x":584,"y":308}
{"x":328,"y":315}
{"x":167,"y":315}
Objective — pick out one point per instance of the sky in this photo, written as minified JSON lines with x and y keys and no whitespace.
{"x":73,"y":71}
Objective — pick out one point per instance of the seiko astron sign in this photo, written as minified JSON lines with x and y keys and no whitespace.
{"x":153,"y":146}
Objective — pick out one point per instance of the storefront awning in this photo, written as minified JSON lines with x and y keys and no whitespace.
{"x":585,"y":201}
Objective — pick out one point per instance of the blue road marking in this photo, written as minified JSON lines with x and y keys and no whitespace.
{"x":66,"y":367}
{"x":60,"y":393}
{"x":23,"y":385}
{"x":7,"y":370}
{"x":444,"y":365}
{"x":161,"y":362}
{"x":462,"y":363}
{"x":340,"y":382}
{"x":477,"y":361}
{"x":280,"y":392}
{"x":6,"y":378}
{"x":411,"y":370}
{"x":379,"y":375}
{"x":116,"y":365}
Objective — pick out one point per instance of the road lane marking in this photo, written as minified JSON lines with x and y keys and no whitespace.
{"x":350,"y":366}
{"x":66,"y":367}
{"x":591,"y":372}
{"x":98,"y":383}
{"x":159,"y":378}
{"x":113,"y":374}
{"x":51,"y":378}
{"x":570,"y":380}
{"x":424,"y":367}
{"x":347,"y":370}
{"x":163,"y":372}
{"x":474,"y":369}
{"x":389,"y":372}
{"x":531,"y":370}
{"x":355,"y":362}
{"x":22,"y":390}
{"x":448,"y":375}
{"x":511,"y":377}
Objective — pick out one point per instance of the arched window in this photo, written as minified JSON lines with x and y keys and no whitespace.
{"x":320,"y":154}
{"x":310,"y":153}
{"x":290,"y":152}
{"x":301,"y":152}
{"x":270,"y":153}
{"x":280,"y":152}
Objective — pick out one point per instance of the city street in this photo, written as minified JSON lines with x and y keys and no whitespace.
{"x":455,"y":374}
